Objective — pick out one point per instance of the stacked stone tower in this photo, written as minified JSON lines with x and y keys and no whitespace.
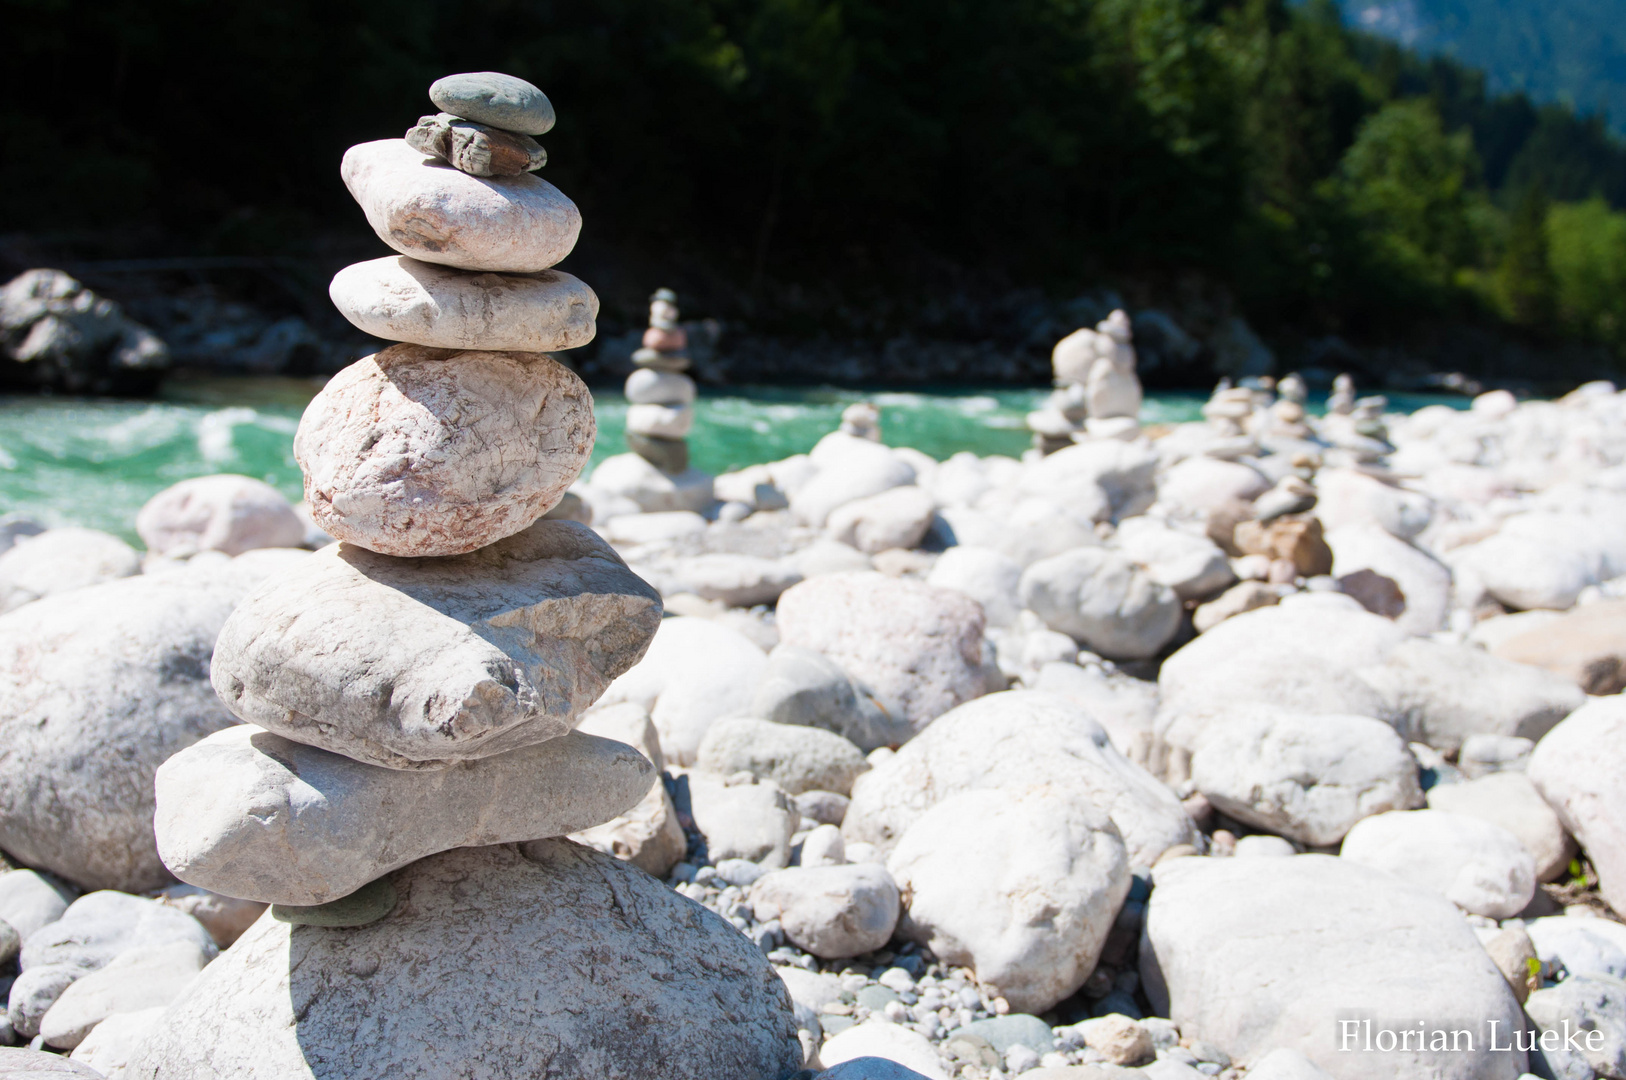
{"x":1097,"y":391}
{"x":660,"y":397}
{"x":408,"y":767}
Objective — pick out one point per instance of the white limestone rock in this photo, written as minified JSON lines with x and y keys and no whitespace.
{"x":695,"y":671}
{"x":402,"y":299}
{"x":566,"y":959}
{"x":1423,"y":579}
{"x":735,"y":580}
{"x":1577,"y":767}
{"x":97,"y":687}
{"x":988,"y":576}
{"x":1256,"y":955}
{"x":1101,"y":479}
{"x":1199,"y":485}
{"x":140,"y":978}
{"x":888,"y":1042}
{"x":1021,"y":885}
{"x":753,"y":821}
{"x":830,"y":911}
{"x":917,"y":649}
{"x":649,"y":835}
{"x":1016,"y":740}
{"x":848,"y":468}
{"x":795,"y":757}
{"x":1510,"y":800}
{"x":419,"y":663}
{"x":631,"y":477}
{"x":803,"y":686}
{"x":1480,"y":867}
{"x":897,"y":518}
{"x":28,"y":901}
{"x":1193,"y":566}
{"x":224,"y":512}
{"x":62,"y":560}
{"x":435,"y":213}
{"x":1348,"y":497}
{"x":249,"y":814}
{"x":1309,"y":778}
{"x":418,"y":451}
{"x":660,"y":421}
{"x":111,"y":1043}
{"x":1102,"y":600}
{"x":647,"y":386}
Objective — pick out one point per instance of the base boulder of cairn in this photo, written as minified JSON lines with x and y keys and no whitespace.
{"x":545,"y":959}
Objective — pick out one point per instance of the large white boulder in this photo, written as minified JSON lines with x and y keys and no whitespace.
{"x":1020,"y":885}
{"x":988,"y":576}
{"x":249,"y":814}
{"x":1577,"y":767}
{"x":1193,"y":566}
{"x":1102,"y":478}
{"x":802,"y":686}
{"x":402,"y":299}
{"x":1016,"y":740}
{"x":694,"y":672}
{"x":1200,"y":485}
{"x":435,"y":213}
{"x":419,"y":451}
{"x":848,"y":469}
{"x":1102,"y":600}
{"x":97,"y":688}
{"x":62,"y":560}
{"x":1253,"y":955}
{"x":1510,"y":800}
{"x":1351,"y":497}
{"x":136,"y":979}
{"x":917,"y":649}
{"x":1479,"y":866}
{"x":754,"y":820}
{"x":418,"y":663}
{"x":633,"y":973}
{"x":225,"y":512}
{"x":1423,"y":579}
{"x":897,"y":518}
{"x":1306,"y":777}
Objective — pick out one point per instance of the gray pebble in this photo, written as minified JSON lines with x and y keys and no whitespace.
{"x":488,"y":97}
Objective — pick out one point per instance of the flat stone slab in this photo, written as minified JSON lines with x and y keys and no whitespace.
{"x":490,"y":97}
{"x":431,"y":211}
{"x":250,"y":814}
{"x":419,"y":663}
{"x":402,"y":299}
{"x":420,"y":451}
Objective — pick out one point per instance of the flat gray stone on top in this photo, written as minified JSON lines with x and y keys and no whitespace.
{"x":490,"y":97}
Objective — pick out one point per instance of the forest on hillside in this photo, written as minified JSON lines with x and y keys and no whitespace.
{"x":850,"y":166}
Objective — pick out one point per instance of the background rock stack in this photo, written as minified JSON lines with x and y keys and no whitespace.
{"x":1097,"y":390}
{"x":410,"y":693}
{"x":660,"y":397}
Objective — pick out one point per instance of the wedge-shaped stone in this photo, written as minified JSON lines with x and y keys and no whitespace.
{"x":402,"y":299}
{"x":418,"y":451}
{"x":250,"y":814}
{"x":431,"y":211}
{"x":419,"y":663}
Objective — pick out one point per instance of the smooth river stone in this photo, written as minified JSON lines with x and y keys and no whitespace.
{"x":477,"y":149}
{"x":250,"y":814}
{"x":420,"y":663}
{"x":490,"y":97}
{"x":431,"y":211}
{"x":650,"y":386}
{"x":402,"y":299}
{"x":420,"y":451}
{"x":543,"y":960}
{"x":661,"y":421}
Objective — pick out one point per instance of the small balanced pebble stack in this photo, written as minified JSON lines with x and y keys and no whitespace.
{"x":660,"y":397}
{"x":408,"y":767}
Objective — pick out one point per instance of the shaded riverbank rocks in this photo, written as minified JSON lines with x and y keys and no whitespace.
{"x":402,"y":299}
{"x":418,"y":451}
{"x":247,"y":813}
{"x":916,"y":648}
{"x":1253,"y":955}
{"x":416,"y":663}
{"x":593,"y":968}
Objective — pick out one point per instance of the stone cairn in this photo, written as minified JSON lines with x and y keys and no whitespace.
{"x":660,"y":397}
{"x":1097,"y":391}
{"x":408,"y":765}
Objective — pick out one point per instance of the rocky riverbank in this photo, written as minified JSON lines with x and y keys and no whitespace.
{"x":1265,"y":745}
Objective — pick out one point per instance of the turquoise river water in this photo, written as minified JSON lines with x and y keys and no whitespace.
{"x":95,"y":462}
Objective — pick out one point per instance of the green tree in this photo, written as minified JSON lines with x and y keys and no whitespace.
{"x":1587,"y":251}
{"x":1525,"y":279}
{"x":1405,"y":180}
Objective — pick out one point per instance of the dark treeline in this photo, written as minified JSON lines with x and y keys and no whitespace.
{"x":836,"y":165}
